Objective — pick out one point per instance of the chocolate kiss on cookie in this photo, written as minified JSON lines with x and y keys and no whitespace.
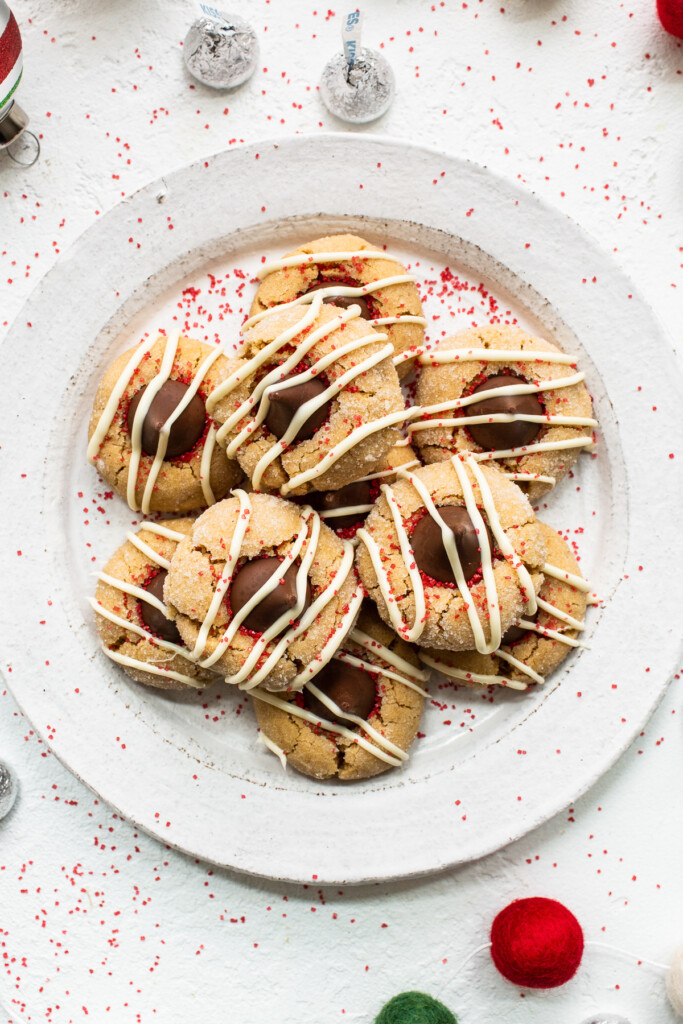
{"x":515,"y":633}
{"x":185,"y":431}
{"x":431,"y":556}
{"x":155,"y":620}
{"x":351,"y":689}
{"x":501,"y":436}
{"x":343,"y":301}
{"x":250,"y":578}
{"x":286,"y":402}
{"x":348,"y":496}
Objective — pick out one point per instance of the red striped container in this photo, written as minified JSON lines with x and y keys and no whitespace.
{"x":11,"y":64}
{"x":13,"y":120}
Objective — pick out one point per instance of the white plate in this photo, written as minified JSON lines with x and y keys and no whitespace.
{"x":489,"y":767}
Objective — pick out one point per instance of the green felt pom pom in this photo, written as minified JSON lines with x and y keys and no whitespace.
{"x":415,"y":1008}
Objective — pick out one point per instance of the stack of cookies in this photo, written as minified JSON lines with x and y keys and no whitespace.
{"x":351,"y":543}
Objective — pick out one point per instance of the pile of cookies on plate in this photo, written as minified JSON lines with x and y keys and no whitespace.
{"x":351,"y":542}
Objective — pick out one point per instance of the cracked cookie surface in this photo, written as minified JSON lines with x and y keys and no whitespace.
{"x":397,"y":586}
{"x":350,"y":424}
{"x":345,"y":510}
{"x":542,"y":654}
{"x":184,"y":483}
{"x":251,"y":528}
{"x":396,"y":713}
{"x":446,"y":384}
{"x":131,"y":642}
{"x":392,"y":300}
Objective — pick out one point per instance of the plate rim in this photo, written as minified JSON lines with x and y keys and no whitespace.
{"x":96,"y":230}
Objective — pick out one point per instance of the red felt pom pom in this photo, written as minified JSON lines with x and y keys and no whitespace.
{"x":536,"y":943}
{"x":671,"y":16}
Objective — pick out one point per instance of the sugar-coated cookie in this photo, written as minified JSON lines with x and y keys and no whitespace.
{"x":131,"y":618}
{"x":263,"y":590}
{"x":376,"y":677}
{"x":311,"y":402}
{"x":451,"y":555}
{"x":534,"y":430}
{"x":350,"y":270}
{"x":345,"y":510}
{"x":157,"y":465}
{"x":535,"y":646}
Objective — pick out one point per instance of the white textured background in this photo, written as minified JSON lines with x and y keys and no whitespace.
{"x":581,"y":102}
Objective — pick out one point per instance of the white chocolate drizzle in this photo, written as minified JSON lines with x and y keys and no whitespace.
{"x":346,"y":510}
{"x":558,"y":614}
{"x":550,"y":634}
{"x":154,"y":386}
{"x":146,"y":666}
{"x":164,"y":531}
{"x":130,"y":588}
{"x":375,"y":670}
{"x":152,"y":389}
{"x":410,"y":677}
{"x":258,"y":401}
{"x":293,"y":709}
{"x":510,"y":417}
{"x":486,"y":355}
{"x":571,"y":580}
{"x":506,"y":548}
{"x":470,"y":677}
{"x":264,"y":355}
{"x":506,"y":390}
{"x":389,"y":657}
{"x":532,"y":477}
{"x":448,"y":539}
{"x":109,"y":411}
{"x":353,"y":292}
{"x":521,"y":665}
{"x":303,"y":547}
{"x":461,"y":465}
{"x":331,"y":647}
{"x":313,"y":404}
{"x":205,"y":466}
{"x":403,"y":357}
{"x":258,"y":596}
{"x":142,"y":595}
{"x":495,"y":355}
{"x":272,"y":746}
{"x":528,"y":449}
{"x":359,"y":434}
{"x":306,"y":619}
{"x":413,"y":464}
{"x":243,"y":515}
{"x":147,"y":550}
{"x":308,"y":259}
{"x":377,"y":736}
{"x":134,"y":628}
{"x":414,"y":632}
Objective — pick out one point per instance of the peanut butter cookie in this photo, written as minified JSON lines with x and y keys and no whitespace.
{"x":350,"y":270}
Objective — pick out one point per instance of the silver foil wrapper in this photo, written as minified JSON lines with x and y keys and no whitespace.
{"x":8,"y":790}
{"x":221,"y":53}
{"x":360,"y":93}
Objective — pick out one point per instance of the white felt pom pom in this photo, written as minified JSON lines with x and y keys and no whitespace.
{"x":674,"y":981}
